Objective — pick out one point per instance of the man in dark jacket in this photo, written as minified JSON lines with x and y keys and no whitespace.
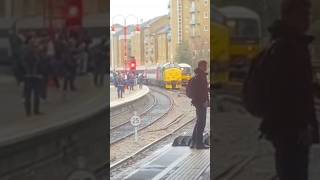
{"x":200,"y":100}
{"x":100,"y":64}
{"x":32,"y":73}
{"x":289,"y":119}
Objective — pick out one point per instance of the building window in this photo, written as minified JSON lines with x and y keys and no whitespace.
{"x":193,"y":31}
{"x":206,"y":15}
{"x":206,"y":2}
{"x":193,"y":19}
{"x":206,"y":28}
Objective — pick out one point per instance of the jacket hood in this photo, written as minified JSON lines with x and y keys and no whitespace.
{"x":199,"y":71}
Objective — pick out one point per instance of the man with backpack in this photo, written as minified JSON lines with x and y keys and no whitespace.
{"x":279,"y":90}
{"x":197,"y":90}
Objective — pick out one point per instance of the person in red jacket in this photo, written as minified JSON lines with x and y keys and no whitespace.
{"x":200,"y":100}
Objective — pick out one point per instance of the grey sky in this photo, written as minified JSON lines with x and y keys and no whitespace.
{"x":142,"y":9}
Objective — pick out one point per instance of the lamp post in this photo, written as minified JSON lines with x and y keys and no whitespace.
{"x":125,"y":28}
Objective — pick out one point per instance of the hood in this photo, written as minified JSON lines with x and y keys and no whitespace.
{"x":199,"y":71}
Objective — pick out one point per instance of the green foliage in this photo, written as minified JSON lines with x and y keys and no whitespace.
{"x":184,"y":54}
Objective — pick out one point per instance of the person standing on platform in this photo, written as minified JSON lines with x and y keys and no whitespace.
{"x":198,"y":86}
{"x":120,"y":86}
{"x":131,"y":81}
{"x":289,"y":119}
{"x":32,"y":78}
{"x":140,"y":80}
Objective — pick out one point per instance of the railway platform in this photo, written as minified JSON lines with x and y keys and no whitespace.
{"x":57,"y":111}
{"x":175,"y":162}
{"x":128,"y":96}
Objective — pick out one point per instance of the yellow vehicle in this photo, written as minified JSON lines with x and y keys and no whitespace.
{"x":245,"y":29}
{"x":168,"y":75}
{"x":219,"y":48}
{"x":186,"y":73}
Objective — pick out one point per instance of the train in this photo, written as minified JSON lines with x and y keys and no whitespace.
{"x":235,"y":40}
{"x":186,"y":73}
{"x":168,"y":75}
{"x":245,"y":39}
{"x":220,"y":42}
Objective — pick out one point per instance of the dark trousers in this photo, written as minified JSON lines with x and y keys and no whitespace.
{"x":69,"y":82}
{"x":44,"y":87}
{"x":197,"y":135}
{"x":56,"y":81}
{"x":98,"y":79}
{"x":131,"y":86}
{"x":120,"y":91}
{"x":32,"y":87}
{"x":291,"y":160}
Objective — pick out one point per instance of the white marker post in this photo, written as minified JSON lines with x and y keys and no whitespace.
{"x":135,"y":121}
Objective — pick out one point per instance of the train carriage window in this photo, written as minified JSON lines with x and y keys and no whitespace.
{"x":244,"y":29}
{"x":248,"y":28}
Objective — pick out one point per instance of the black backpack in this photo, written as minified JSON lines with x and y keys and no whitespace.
{"x":253,"y":95}
{"x":189,"y":88}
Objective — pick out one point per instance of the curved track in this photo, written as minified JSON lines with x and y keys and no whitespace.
{"x":113,"y":166}
{"x":127,"y":112}
{"x":163,"y":104}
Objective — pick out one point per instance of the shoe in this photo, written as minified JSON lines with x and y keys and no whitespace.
{"x":202,"y":146}
{"x":192,"y":145}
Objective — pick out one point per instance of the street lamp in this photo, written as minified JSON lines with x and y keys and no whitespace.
{"x":113,"y":29}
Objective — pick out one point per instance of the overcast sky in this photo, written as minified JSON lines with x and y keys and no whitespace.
{"x":142,"y":9}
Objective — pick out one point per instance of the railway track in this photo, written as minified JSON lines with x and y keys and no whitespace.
{"x":162,"y":106}
{"x":155,"y":133}
{"x":127,"y":113}
{"x":114,"y":165}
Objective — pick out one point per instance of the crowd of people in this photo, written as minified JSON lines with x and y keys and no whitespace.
{"x":40,"y":57}
{"x":127,"y":81}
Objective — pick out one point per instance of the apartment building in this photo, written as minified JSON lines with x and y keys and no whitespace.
{"x":190,"y":23}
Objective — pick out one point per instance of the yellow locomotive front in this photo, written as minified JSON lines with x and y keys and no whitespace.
{"x":245,"y":37}
{"x":220,"y":38}
{"x":172,"y":77}
{"x":186,"y":73}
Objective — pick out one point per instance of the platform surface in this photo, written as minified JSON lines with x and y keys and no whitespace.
{"x":128,"y":95}
{"x":59,"y":110}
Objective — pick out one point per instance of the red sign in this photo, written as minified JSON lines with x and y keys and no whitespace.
{"x":132,"y":65}
{"x":74,"y":14}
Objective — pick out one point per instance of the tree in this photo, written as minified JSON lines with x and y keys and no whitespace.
{"x":184,"y":54}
